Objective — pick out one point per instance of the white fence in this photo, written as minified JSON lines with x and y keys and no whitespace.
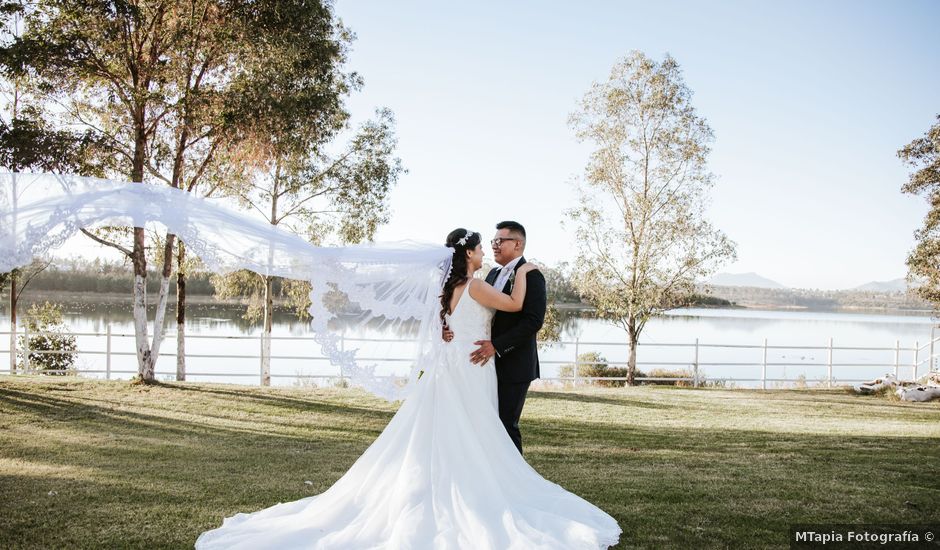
{"x":104,"y":354}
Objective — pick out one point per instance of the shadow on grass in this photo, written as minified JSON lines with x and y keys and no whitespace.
{"x":163,"y":480}
{"x":624,"y":401}
{"x":67,"y":410}
{"x":872,"y":401}
{"x":132,"y":479}
{"x":292,"y":403}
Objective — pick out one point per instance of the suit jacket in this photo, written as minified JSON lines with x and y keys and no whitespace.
{"x":513,"y":334}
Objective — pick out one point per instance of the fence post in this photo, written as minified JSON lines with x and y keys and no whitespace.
{"x":107,"y":356}
{"x":897,"y":356}
{"x":342,"y":348}
{"x":261,"y":341}
{"x":695,"y":365}
{"x":26,"y":365}
{"x":577,"y":364}
{"x":829,"y":363}
{"x":916,"y":357}
{"x":763,"y":368}
{"x":933,"y":330}
{"x":12,"y":348}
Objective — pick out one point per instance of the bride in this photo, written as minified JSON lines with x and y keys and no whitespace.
{"x":443,"y":474}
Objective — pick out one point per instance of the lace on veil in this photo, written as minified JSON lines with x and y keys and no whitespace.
{"x":390,"y":287}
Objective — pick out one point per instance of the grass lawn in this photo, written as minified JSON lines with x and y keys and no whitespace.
{"x":95,"y":464}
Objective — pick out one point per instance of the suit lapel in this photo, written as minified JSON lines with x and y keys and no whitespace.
{"x":507,"y":289}
{"x":492,"y":275}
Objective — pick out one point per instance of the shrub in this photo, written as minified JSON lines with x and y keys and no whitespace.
{"x":665,"y":373}
{"x":593,"y":364}
{"x":46,"y":318}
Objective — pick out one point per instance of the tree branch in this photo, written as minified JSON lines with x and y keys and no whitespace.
{"x":202,"y":167}
{"x":108,"y":243}
{"x":300,"y":203}
{"x":30,"y":278}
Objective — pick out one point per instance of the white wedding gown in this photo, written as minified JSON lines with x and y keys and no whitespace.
{"x":442,"y":475}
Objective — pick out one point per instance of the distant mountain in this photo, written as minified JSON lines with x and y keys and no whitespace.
{"x":894,"y":285}
{"x":743,"y":279}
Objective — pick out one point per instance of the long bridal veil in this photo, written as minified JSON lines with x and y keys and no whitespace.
{"x":391,"y":286}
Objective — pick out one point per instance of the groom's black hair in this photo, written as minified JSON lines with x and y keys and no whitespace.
{"x":512,"y":226}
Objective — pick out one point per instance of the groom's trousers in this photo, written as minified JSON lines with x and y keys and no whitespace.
{"x":511,"y":401}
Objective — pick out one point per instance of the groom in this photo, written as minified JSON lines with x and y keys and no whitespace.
{"x":513,"y":335}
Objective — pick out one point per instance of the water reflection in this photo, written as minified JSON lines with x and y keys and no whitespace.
{"x":802,"y":330}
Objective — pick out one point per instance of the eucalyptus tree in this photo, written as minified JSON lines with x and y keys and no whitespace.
{"x":640,"y":221}
{"x":29,"y":142}
{"x":174,"y":89}
{"x":922,"y":155}
{"x":338,"y":197}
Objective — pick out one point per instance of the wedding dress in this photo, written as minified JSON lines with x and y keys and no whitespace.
{"x":442,"y":475}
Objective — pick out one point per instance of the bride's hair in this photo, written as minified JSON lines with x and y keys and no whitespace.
{"x":460,"y":240}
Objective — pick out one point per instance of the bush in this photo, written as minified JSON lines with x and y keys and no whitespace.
{"x":46,"y":318}
{"x":593,"y":364}
{"x":703,"y":382}
{"x":664,"y":373}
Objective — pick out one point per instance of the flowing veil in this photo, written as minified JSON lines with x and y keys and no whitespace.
{"x":392,"y":286}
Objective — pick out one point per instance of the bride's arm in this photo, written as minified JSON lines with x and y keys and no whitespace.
{"x":490,"y":297}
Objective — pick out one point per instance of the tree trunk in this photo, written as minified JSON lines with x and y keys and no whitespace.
{"x":268,"y":284}
{"x":631,"y":361}
{"x":160,"y":314}
{"x":180,"y":313}
{"x":144,"y":357}
{"x":148,"y":352}
{"x":266,"y":335}
{"x":13,"y":322}
{"x":13,"y":298}
{"x":144,"y":362}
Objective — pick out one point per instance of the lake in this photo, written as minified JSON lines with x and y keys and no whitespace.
{"x":797,"y":344}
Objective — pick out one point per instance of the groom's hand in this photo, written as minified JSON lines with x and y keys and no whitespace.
{"x":483,"y":353}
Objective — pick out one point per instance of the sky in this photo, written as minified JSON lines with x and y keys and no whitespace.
{"x":809,"y":102}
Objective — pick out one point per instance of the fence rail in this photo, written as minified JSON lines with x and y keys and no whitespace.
{"x":922,"y":354}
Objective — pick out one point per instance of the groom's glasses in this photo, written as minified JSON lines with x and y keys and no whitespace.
{"x":499,"y":240}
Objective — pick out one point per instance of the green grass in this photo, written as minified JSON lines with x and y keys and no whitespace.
{"x":93,"y":464}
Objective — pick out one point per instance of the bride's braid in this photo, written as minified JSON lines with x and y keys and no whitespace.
{"x":460,"y":240}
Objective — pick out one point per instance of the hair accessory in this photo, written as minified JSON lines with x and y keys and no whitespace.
{"x":463,"y":240}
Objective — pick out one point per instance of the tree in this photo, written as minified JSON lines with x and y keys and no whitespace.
{"x":923,"y":262}
{"x":322,"y":197}
{"x":561,"y":289}
{"x":29,"y":142}
{"x":640,"y":221}
{"x":174,"y":88}
{"x":106,"y":64}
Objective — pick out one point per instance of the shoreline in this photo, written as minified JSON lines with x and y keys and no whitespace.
{"x":860,"y":310}
{"x":121,"y":299}
{"x":116,"y":298}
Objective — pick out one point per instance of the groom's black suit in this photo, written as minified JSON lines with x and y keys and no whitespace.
{"x":517,"y":358}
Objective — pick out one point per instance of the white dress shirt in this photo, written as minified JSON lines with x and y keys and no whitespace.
{"x":504,"y":274}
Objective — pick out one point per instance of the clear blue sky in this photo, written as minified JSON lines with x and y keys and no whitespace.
{"x":809,"y":102}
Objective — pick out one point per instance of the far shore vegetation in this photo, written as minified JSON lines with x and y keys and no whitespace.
{"x":78,"y":280}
